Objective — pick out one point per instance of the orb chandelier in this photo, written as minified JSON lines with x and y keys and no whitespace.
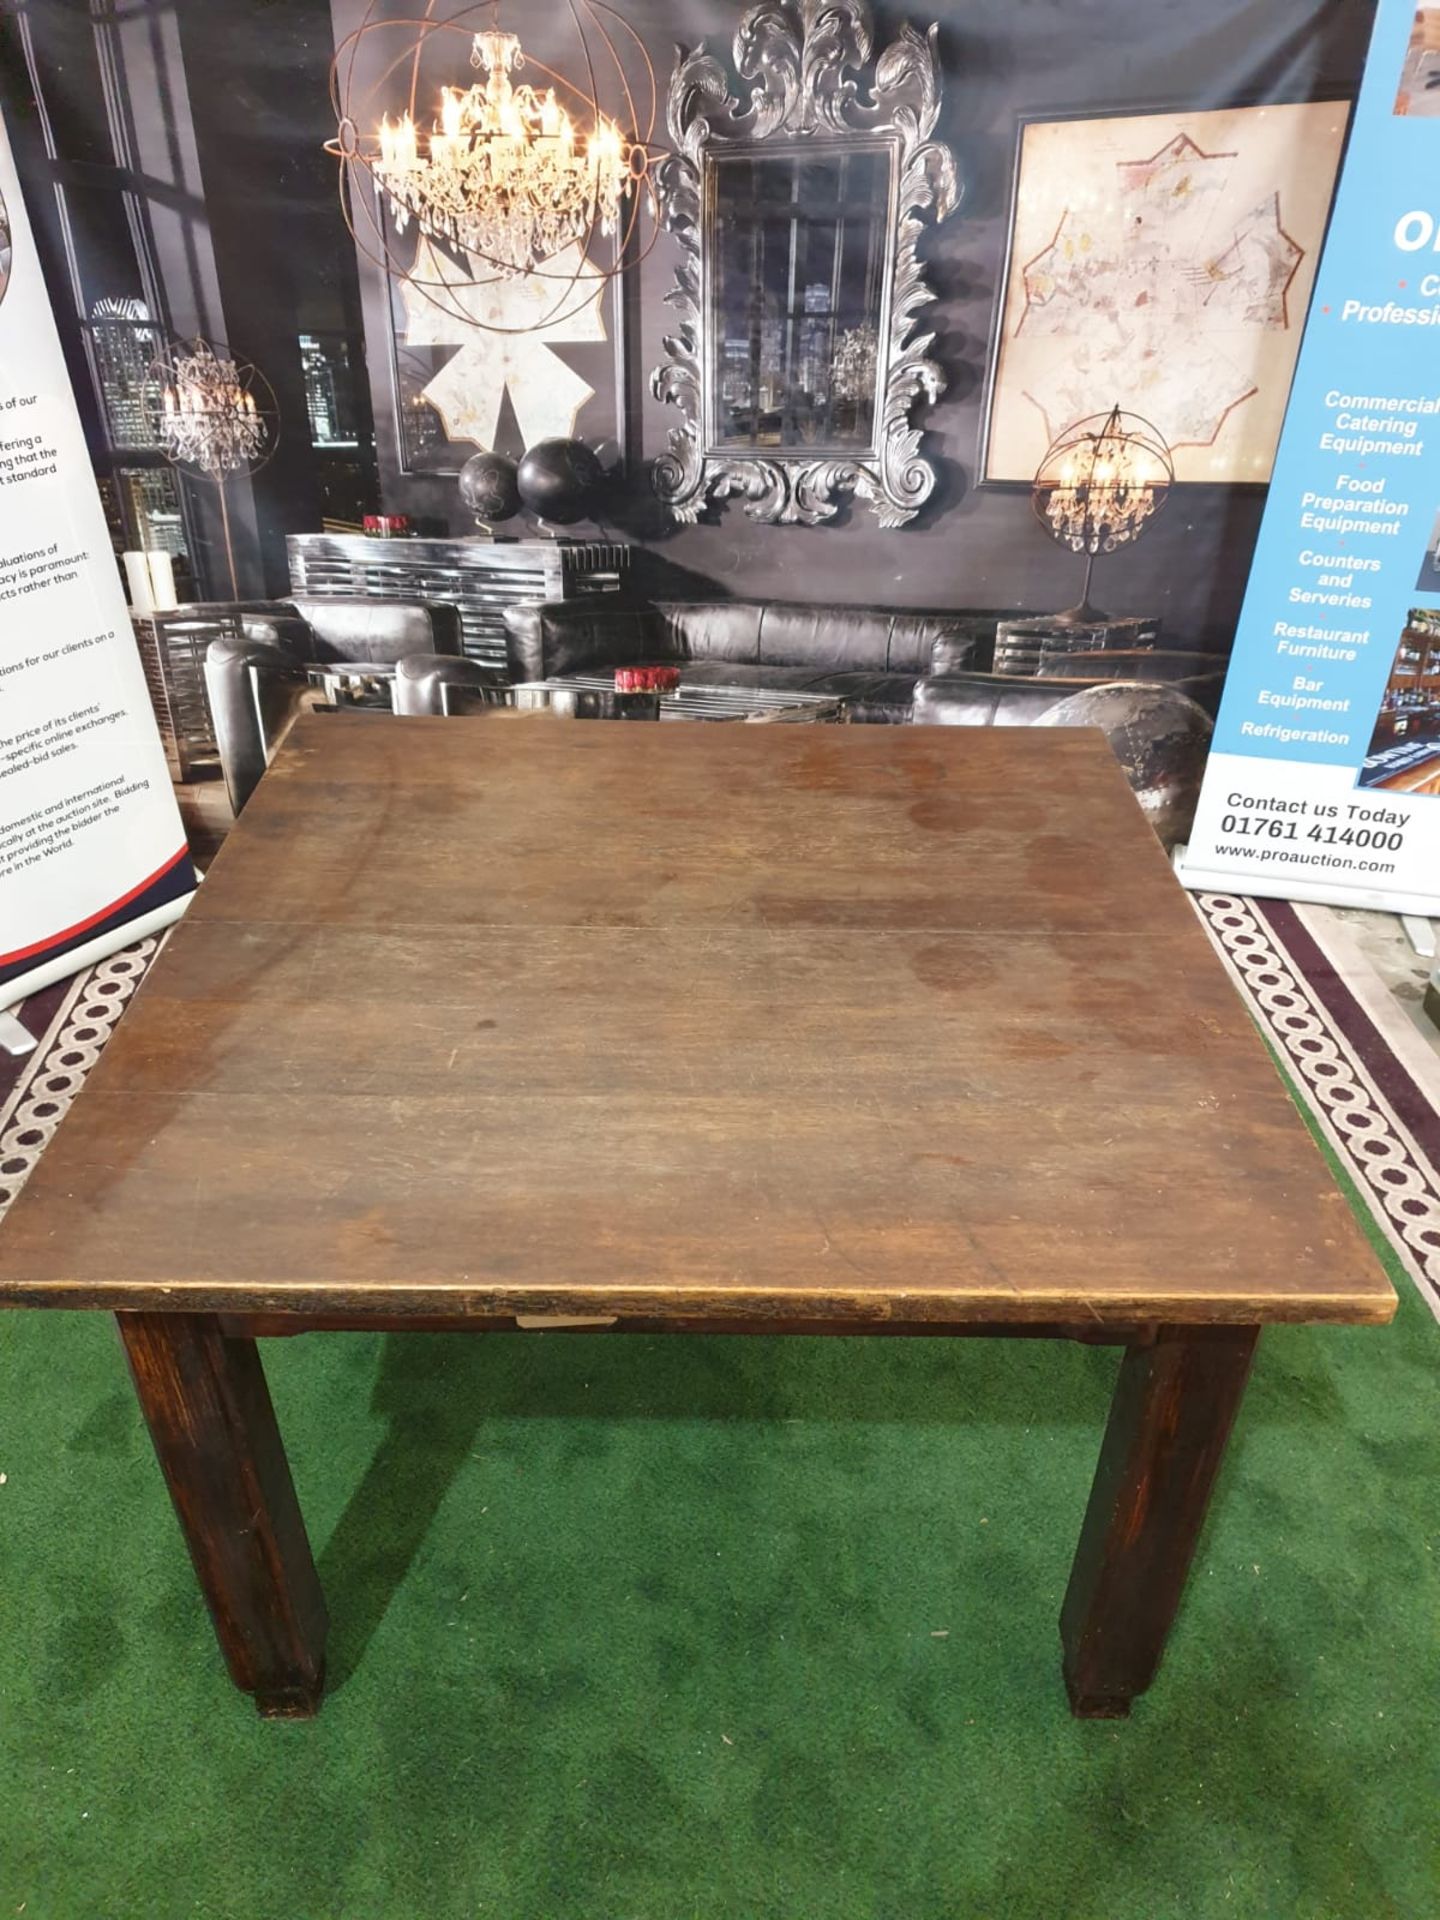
{"x":214,"y":416}
{"x":527,"y":181}
{"x":208,"y":415}
{"x":1098,"y":488}
{"x":504,"y":172}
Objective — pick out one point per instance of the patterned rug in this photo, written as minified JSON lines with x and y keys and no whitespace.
{"x":71,"y":1022}
{"x":1371,"y":1080}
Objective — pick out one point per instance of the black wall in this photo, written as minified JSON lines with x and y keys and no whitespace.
{"x":173,"y":150}
{"x":227,"y":109}
{"x":257,"y":84}
{"x":975,"y":546}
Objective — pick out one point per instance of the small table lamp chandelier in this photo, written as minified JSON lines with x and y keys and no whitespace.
{"x":1098,"y":488}
{"x":208,"y":415}
{"x":210,"y":421}
{"x":504,"y":172}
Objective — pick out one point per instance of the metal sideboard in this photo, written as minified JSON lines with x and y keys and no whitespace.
{"x":172,"y":647}
{"x":480,"y":577}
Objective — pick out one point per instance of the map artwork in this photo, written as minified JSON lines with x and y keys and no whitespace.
{"x":1162,"y":263}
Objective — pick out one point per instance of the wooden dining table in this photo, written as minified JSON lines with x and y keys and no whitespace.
{"x":818,"y":1030}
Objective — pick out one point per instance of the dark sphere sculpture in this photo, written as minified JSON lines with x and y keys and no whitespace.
{"x":557,"y":479}
{"x":489,"y":489}
{"x":1159,"y":735}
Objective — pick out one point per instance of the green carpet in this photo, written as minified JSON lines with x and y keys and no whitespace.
{"x":644,"y":1629}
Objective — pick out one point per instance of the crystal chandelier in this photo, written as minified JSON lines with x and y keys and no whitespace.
{"x":1098,"y":487}
{"x":504,"y":172}
{"x":1102,"y":481}
{"x":853,"y":366}
{"x":208,"y":416}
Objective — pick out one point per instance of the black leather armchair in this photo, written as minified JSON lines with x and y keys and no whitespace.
{"x":1200,"y":675}
{"x":254,"y":681}
{"x":1158,"y":733}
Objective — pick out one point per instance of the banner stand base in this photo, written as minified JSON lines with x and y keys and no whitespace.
{"x":78,"y":958}
{"x":1316,"y":893}
{"x":14,"y":1038}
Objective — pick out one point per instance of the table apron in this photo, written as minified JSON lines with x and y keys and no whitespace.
{"x":284,"y":1325}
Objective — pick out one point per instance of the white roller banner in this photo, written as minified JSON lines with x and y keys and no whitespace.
{"x":92,"y":851}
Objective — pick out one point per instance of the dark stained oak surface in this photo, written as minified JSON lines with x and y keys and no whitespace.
{"x":865,"y":1023}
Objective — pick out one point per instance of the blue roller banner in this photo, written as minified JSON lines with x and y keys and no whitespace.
{"x":1324,"y":781}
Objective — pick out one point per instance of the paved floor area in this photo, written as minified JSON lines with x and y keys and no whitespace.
{"x":1383,"y":942}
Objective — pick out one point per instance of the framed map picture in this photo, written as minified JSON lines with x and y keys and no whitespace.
{"x":1161,"y":262}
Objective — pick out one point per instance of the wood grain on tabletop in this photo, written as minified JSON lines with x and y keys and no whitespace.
{"x":864,"y":1022}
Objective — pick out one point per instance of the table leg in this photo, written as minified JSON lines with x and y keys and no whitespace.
{"x":204,"y":1397}
{"x":1173,"y":1409}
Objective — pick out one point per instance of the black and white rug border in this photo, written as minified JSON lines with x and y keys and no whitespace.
{"x":1383,"y":1127}
{"x":49,"y":1078}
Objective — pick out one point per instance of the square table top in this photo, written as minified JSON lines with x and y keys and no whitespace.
{"x":859,"y":1023}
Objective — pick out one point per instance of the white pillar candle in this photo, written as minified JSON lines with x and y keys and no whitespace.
{"x":162,"y":581}
{"x":137,"y":576}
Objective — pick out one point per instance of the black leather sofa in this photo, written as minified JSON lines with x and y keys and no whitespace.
{"x":896,"y":667}
{"x":869,"y":656}
{"x":890,"y":667}
{"x":253,"y":682}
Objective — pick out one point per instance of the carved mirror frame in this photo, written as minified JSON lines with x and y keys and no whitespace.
{"x":803,"y":57}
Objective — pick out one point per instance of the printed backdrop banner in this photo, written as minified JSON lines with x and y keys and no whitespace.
{"x":92,"y":852}
{"x":1324,"y":782}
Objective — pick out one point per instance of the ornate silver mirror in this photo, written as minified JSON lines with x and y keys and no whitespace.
{"x":798,"y":213}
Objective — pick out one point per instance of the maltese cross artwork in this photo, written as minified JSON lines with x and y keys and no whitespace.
{"x":545,"y":393}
